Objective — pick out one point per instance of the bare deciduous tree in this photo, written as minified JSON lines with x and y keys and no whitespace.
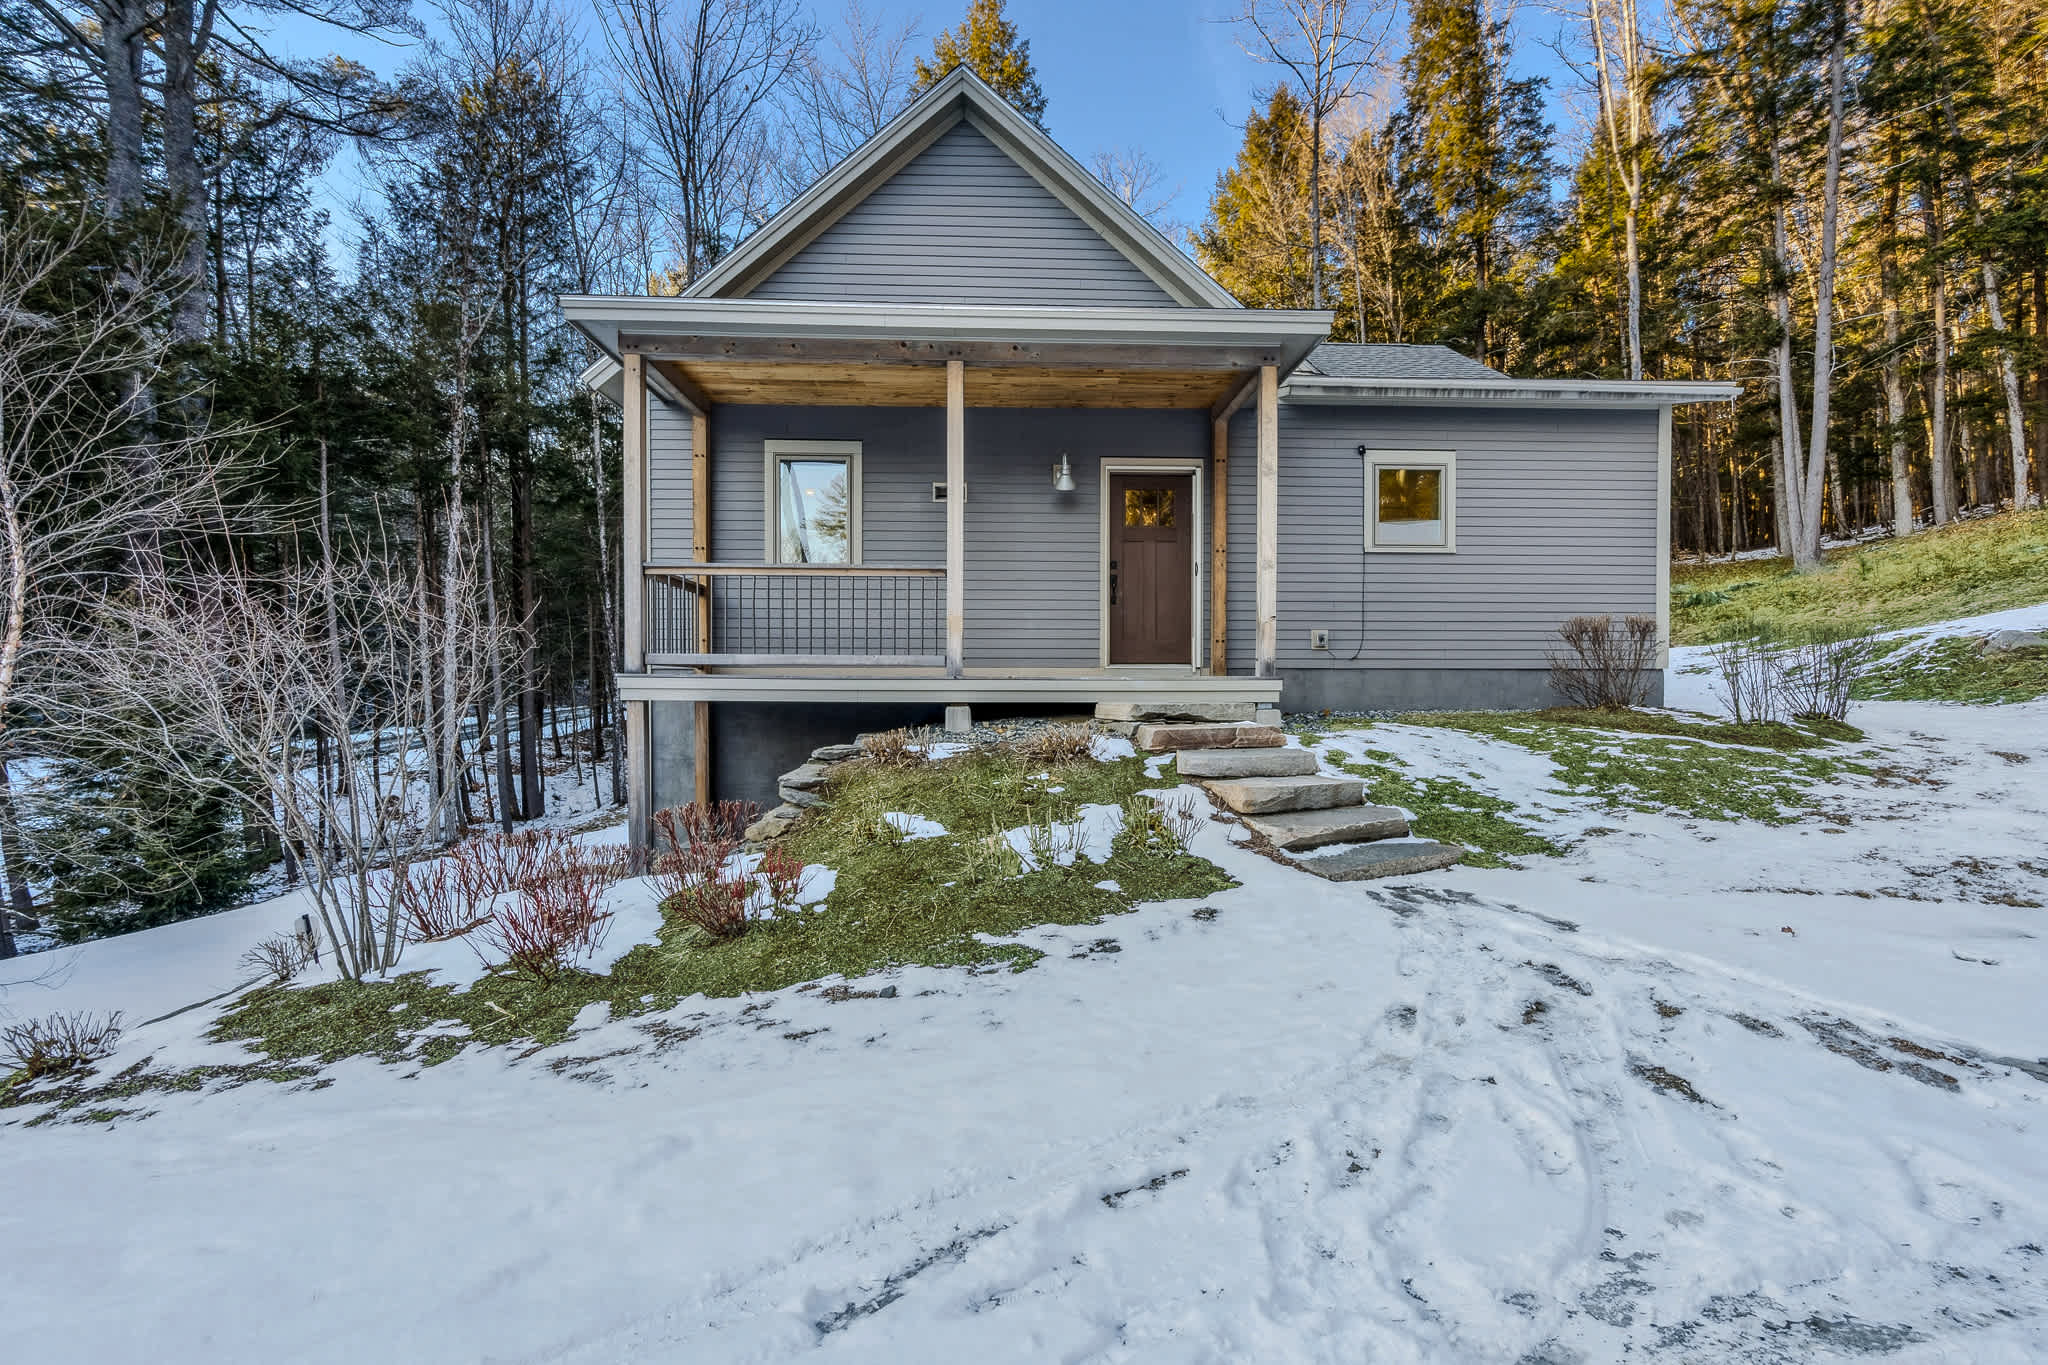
{"x":1325,"y":45}
{"x":702,"y":77}
{"x":1139,"y":182}
{"x":845,"y":90}
{"x":71,"y":501}
{"x":225,"y":664}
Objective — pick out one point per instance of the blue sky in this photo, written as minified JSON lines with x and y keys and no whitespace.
{"x":1162,"y":76}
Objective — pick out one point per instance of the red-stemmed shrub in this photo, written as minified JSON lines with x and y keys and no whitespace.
{"x":693,"y":845}
{"x":783,"y":872}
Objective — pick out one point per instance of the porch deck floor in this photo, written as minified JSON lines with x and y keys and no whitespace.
{"x":989,"y":686}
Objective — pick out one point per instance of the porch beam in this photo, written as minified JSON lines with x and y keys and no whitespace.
{"x":956,"y":516}
{"x":1219,"y":546}
{"x":677,"y":389}
{"x":864,"y":351}
{"x":1269,"y":523}
{"x":1227,"y":406}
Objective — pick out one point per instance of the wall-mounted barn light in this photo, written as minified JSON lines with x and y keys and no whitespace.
{"x":1063,"y":475}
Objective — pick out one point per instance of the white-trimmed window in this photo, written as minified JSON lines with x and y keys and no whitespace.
{"x":1411,"y":500}
{"x":813,"y":502}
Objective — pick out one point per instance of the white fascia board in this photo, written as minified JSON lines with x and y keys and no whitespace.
{"x":956,"y":97}
{"x":1504,"y":392}
{"x":606,"y":376}
{"x":604,"y":317}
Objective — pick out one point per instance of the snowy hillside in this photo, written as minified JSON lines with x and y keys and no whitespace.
{"x":1696,"y":1090}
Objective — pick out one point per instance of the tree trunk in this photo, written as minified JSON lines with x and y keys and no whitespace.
{"x":1940,"y":474}
{"x":1894,"y":362}
{"x":1821,"y":465}
{"x":183,"y":46}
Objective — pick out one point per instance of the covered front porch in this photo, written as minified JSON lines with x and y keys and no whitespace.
{"x":974,"y":557}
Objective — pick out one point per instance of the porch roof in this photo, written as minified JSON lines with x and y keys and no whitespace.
{"x":709,"y":351}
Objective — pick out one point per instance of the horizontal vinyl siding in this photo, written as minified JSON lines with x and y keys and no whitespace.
{"x":1556,"y":516}
{"x":1033,"y":556}
{"x":962,"y":223}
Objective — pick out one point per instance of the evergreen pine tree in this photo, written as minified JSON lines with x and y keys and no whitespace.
{"x":1255,"y":242}
{"x":987,"y":44}
{"x":1472,"y":163}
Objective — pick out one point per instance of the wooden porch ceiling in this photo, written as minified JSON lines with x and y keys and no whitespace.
{"x":809,"y":383}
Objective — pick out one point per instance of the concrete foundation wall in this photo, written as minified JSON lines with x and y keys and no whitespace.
{"x":753,"y":743}
{"x":1425,"y":689}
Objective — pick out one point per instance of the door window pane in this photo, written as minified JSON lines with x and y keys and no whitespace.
{"x":1410,"y":508}
{"x":1148,"y":507}
{"x":814,"y":511}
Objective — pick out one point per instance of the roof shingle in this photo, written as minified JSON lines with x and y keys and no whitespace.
{"x":1351,"y":360}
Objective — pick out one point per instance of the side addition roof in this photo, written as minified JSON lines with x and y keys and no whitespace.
{"x":1350,"y":373}
{"x":962,"y":106}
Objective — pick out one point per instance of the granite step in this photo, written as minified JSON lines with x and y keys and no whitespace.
{"x":1267,"y":795}
{"x":1164,"y":738}
{"x":1293,"y":831}
{"x":1392,"y":858}
{"x":1246,"y":763}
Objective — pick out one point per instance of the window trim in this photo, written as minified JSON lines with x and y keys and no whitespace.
{"x":1373,"y":462}
{"x":774,"y":453}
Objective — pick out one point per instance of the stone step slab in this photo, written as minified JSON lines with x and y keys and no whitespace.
{"x":1391,"y":859}
{"x":1293,"y":831}
{"x":1266,"y":795}
{"x":1198,"y":712}
{"x":1163,"y":737}
{"x":1246,"y":763}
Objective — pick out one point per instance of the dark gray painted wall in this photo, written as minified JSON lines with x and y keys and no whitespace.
{"x":1556,"y":516}
{"x":1033,"y":555}
{"x":962,"y":223}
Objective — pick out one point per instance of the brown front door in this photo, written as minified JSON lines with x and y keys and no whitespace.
{"x":1151,"y":568}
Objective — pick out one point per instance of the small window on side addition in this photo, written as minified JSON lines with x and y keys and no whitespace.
{"x":1411,"y":499}
{"x":813,"y":502}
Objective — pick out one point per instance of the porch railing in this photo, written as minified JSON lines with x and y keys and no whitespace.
{"x":756,"y":615}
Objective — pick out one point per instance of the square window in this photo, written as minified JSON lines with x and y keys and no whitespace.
{"x":814,"y":502}
{"x":1411,"y":500}
{"x":1148,"y":507}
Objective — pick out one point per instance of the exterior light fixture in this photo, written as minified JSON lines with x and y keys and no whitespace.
{"x":1063,"y":476}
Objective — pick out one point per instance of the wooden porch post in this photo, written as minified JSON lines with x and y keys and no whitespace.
{"x":632,"y":609}
{"x":956,"y":516}
{"x":700,"y":551}
{"x":1219,"y":546}
{"x":1269,"y":522}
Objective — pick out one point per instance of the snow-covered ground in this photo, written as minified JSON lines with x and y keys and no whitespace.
{"x":1694,"y":1091}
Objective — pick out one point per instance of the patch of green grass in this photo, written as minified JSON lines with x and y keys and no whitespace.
{"x":935,"y":902}
{"x":1957,"y":670}
{"x":1938,"y":575}
{"x":1447,"y":809}
{"x":1663,"y":764}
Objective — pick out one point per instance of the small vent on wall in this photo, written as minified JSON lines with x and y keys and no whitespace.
{"x":938,"y":492}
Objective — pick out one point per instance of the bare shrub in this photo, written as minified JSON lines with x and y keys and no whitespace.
{"x":1816,"y":677}
{"x":1603,"y":664}
{"x":893,"y":748}
{"x":1055,"y":744}
{"x":694,"y":846}
{"x":279,"y":957}
{"x":1746,"y":681}
{"x":548,"y":908}
{"x":58,"y":1043}
{"x":1052,"y":843}
{"x":1184,"y":815}
{"x":782,"y":874}
{"x":1145,"y":826}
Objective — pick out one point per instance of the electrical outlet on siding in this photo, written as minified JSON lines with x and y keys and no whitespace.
{"x":1319,"y":639}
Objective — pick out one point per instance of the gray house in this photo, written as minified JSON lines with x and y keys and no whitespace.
{"x":959,"y":432}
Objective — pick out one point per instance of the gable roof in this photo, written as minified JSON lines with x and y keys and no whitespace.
{"x":960,"y":97}
{"x":1352,"y":360}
